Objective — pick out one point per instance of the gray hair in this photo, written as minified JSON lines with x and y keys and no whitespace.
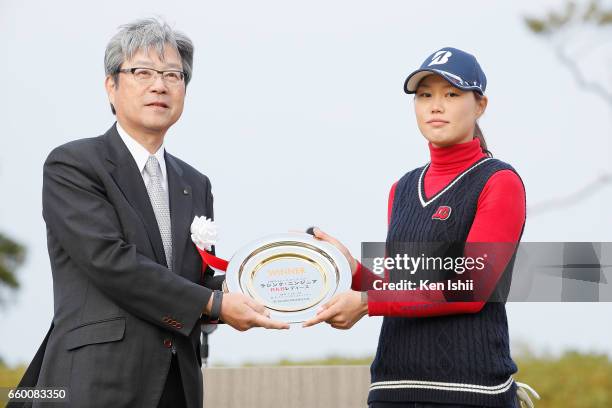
{"x":143,"y":35}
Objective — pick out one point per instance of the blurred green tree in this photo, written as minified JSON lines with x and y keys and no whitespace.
{"x":12,"y":255}
{"x":569,"y":31}
{"x":579,"y":35}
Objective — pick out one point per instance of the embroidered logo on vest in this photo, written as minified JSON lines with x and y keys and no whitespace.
{"x":442,"y":213}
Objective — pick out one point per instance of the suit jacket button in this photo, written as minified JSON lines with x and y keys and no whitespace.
{"x":179,"y":326}
{"x":167,"y":343}
{"x":185,"y":192}
{"x":165,"y":319}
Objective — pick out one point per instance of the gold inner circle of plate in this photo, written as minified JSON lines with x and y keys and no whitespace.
{"x":251,"y":288}
{"x":273,"y":258}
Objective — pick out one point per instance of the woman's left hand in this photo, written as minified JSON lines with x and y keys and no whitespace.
{"x":342,"y":311}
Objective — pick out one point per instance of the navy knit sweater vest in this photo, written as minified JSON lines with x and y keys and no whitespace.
{"x":455,"y":359}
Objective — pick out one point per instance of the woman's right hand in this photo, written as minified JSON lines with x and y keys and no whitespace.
{"x":318,"y":234}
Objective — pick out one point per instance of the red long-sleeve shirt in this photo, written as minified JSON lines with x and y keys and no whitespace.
{"x":500,"y":216}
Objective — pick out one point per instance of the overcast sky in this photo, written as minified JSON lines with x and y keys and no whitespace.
{"x":296,"y":113}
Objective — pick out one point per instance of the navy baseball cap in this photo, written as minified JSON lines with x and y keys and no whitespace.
{"x":458,"y":67}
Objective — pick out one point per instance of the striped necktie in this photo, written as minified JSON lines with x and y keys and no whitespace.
{"x":160,"y":203}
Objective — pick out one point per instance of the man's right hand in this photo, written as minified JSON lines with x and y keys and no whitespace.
{"x":242,"y":313}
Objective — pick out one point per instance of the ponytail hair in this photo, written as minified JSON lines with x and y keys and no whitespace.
{"x":478,"y":133}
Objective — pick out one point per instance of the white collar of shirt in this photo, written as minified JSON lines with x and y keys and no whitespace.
{"x":141,"y":155}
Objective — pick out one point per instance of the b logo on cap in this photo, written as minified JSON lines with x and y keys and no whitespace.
{"x":440,"y":57}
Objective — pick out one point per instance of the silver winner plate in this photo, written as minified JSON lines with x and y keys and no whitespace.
{"x":292,"y":274}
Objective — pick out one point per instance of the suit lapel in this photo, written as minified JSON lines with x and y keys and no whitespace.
{"x":180,"y":209}
{"x":124,"y":171}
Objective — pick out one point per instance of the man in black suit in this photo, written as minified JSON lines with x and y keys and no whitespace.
{"x":128,"y":289}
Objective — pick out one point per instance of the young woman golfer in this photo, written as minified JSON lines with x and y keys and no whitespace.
{"x":443,"y":352}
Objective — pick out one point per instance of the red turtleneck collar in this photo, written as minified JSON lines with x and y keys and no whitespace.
{"x":448,"y":162}
{"x":454,"y":158}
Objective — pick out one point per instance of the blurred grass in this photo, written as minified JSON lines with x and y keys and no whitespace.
{"x":9,"y":377}
{"x":334,"y":360}
{"x":576,"y":380}
{"x":571,"y":380}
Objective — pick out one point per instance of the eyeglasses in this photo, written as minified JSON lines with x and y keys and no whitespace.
{"x":147,"y":75}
